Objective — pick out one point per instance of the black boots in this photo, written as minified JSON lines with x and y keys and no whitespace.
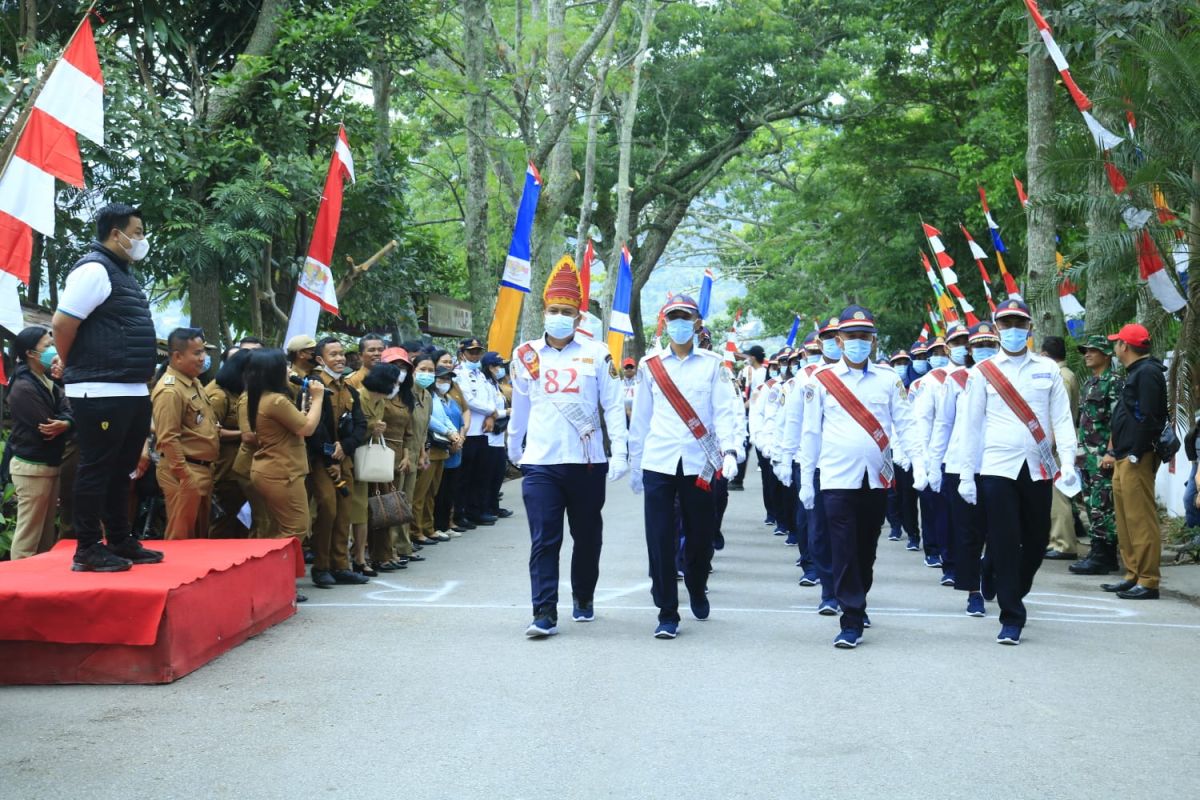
{"x":1100,"y":560}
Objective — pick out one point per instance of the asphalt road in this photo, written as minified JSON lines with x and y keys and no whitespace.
{"x":422,"y":685}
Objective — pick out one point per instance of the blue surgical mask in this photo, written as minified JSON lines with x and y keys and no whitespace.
{"x":939,"y":362}
{"x":857,"y":350}
{"x":920,"y":366}
{"x":681,"y":331}
{"x":984,"y":353}
{"x":958,"y":354}
{"x":471,"y":365}
{"x":207,"y":363}
{"x":810,"y":360}
{"x":1014,"y":340}
{"x":559,"y":326}
{"x":48,"y":355}
{"x":424,"y":379}
{"x":500,"y":373}
{"x":830,"y":349}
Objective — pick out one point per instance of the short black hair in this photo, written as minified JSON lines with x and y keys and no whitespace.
{"x":381,"y":378}
{"x":27,"y":340}
{"x":1138,"y":349}
{"x":229,"y":376}
{"x":114,"y":215}
{"x":370,"y":337}
{"x":1055,"y":347}
{"x":324,"y":342}
{"x":178,"y":339}
{"x":252,"y":340}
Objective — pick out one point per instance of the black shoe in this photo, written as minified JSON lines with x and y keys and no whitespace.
{"x":1123,"y":586}
{"x":734,"y":486}
{"x":1059,"y":555}
{"x":348,"y":578}
{"x":385,"y":566}
{"x":503,"y":513}
{"x":300,"y":598}
{"x":362,"y":569}
{"x":130,"y":548}
{"x":1100,"y":560}
{"x":465,"y":524}
{"x":718,"y":541}
{"x":322,"y":579}
{"x":414,"y":557}
{"x":98,"y":558}
{"x":485,"y":519}
{"x":460,"y":529}
{"x":308,"y":556}
{"x":1139,"y":593}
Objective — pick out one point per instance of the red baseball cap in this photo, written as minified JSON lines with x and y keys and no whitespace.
{"x":629,"y":362}
{"x":1133,"y":334}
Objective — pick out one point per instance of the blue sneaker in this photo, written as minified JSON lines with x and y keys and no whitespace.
{"x":847,"y":640}
{"x":583,"y":612}
{"x":933,"y":562}
{"x":975,"y":606}
{"x":894,"y":536}
{"x":666,"y":630}
{"x":542,"y":626}
{"x":947,"y":579}
{"x":791,"y":540}
{"x":913,"y":544}
{"x":780,"y":531}
{"x":809,"y":578}
{"x":769,"y":520}
{"x":866,"y":621}
{"x":700,"y":607}
{"x":1009,"y":634}
{"x":829,"y":608}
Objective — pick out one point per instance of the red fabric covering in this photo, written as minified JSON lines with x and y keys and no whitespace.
{"x":42,"y":600}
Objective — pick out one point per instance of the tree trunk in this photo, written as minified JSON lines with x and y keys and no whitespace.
{"x":1041,"y":268}
{"x":28,"y":28}
{"x":223,"y":99}
{"x":589,"y":158}
{"x":204,"y":299}
{"x":481,"y":276}
{"x":381,"y":89}
{"x":624,"y":189}
{"x":1103,"y":292}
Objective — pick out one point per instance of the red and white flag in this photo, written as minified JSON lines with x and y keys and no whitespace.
{"x":1151,"y":269}
{"x":939,"y":250}
{"x":315,"y":287}
{"x":979,"y":255}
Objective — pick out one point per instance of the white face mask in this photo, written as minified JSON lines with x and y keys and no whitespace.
{"x":395,"y":391}
{"x":403,"y":377}
{"x":442,"y":388}
{"x":331,"y":373}
{"x":137,"y":248}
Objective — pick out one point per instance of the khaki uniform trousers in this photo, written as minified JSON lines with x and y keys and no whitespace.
{"x":37,"y":501}
{"x":1138,"y":535}
{"x":187,"y":511}
{"x":262,"y":521}
{"x":1062,"y":523}
{"x":284,"y":503}
{"x":426,"y":492}
{"x":331,"y":526}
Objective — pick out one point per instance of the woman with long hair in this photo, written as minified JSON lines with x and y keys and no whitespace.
{"x":448,"y":511}
{"x":411,"y":401}
{"x":41,"y":422}
{"x":391,"y":422}
{"x":223,"y":392}
{"x":280,"y":461}
{"x":442,"y":435}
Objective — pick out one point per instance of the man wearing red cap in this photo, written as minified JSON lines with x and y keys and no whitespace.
{"x":559,"y":382}
{"x":1137,"y":423}
{"x":628,"y":386}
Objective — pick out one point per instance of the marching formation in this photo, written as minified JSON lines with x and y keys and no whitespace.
{"x":969,"y":445}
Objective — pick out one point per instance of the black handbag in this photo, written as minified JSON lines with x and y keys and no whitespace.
{"x":1168,"y":443}
{"x":500,"y":425}
{"x":438,"y":441}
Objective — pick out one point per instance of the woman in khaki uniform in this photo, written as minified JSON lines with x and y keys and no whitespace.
{"x":441,"y":434}
{"x":280,"y":463}
{"x":415,"y":402}
{"x":223,"y":393}
{"x":389,"y":384}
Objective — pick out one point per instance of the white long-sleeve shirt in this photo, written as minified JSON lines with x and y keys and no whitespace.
{"x":658,"y":437}
{"x":922,"y":397}
{"x":480,"y":396}
{"x":792,"y":425}
{"x":999,"y":444}
{"x":580,"y":374}
{"x":948,"y":438}
{"x":837,"y":445}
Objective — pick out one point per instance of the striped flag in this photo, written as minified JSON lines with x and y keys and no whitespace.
{"x":791,"y":338}
{"x":945,"y":262}
{"x":514,"y":284}
{"x":1024,"y":198}
{"x":1151,"y":269}
{"x":979,"y":255}
{"x":945,"y":304}
{"x":619,"y":323}
{"x":731,"y":347}
{"x":1010,"y":283}
{"x":1072,"y":309}
{"x":706,"y":286}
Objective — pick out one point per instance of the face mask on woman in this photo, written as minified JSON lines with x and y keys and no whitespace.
{"x":48,"y":355}
{"x":500,"y":373}
{"x":958,"y":354}
{"x":442,"y":388}
{"x":424,"y":379}
{"x":830,"y":349}
{"x":403,"y":376}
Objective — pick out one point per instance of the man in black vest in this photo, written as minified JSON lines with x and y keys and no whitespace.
{"x":105,"y":338}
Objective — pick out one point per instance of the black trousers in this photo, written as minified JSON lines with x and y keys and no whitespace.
{"x":854,"y":518}
{"x":786,"y":500}
{"x":768,"y":484}
{"x":1017,"y":515}
{"x":497,"y":464}
{"x":967,"y":531}
{"x":111,"y":432}
{"x":697,"y":508}
{"x":473,"y":479}
{"x":446,"y":500}
{"x":906,"y":497}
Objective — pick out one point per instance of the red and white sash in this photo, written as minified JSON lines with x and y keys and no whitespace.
{"x":708,"y":442}
{"x":1012,"y":398}
{"x":863,"y":416}
{"x":960,"y":377}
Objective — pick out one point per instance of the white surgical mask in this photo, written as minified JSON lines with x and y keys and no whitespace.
{"x":958,"y":354}
{"x":442,"y":388}
{"x":395,"y":391}
{"x":137,"y":248}
{"x":500,"y":373}
{"x":857,"y":350}
{"x":1014,"y":340}
{"x":559,"y":326}
{"x":830,"y":349}
{"x":403,"y":377}
{"x":681,"y":331}
{"x":331,"y":373}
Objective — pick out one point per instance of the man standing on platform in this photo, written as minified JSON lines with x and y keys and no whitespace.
{"x":1100,"y":394}
{"x":186,"y":435}
{"x":848,"y":409}
{"x":685,"y":432}
{"x":1137,"y":423}
{"x":105,"y":338}
{"x":1016,"y":407}
{"x":554,"y":436}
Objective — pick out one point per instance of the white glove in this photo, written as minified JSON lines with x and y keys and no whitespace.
{"x":729,"y":466}
{"x":784,"y":473}
{"x":920,"y":479}
{"x":741,"y":455}
{"x":903,"y":463}
{"x":635,"y":480}
{"x":966,"y":490}
{"x":617,"y":469}
{"x":1068,"y":482}
{"x":808,"y":495}
{"x":935,"y":479}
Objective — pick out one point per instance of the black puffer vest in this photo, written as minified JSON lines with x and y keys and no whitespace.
{"x":116,"y":343}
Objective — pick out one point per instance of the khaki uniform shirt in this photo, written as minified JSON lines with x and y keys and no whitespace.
{"x":185,"y":426}
{"x":281,"y":452}
{"x":224,"y":406}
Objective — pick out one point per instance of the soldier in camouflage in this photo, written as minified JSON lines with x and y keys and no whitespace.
{"x":1098,"y":396}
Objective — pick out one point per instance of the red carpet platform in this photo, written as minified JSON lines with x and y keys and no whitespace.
{"x":152,"y":624}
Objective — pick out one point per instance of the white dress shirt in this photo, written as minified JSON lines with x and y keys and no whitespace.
{"x":922,"y":397}
{"x":761,"y":400}
{"x":948,"y":438}
{"x":792,"y":425}
{"x":578,"y":373}
{"x":480,"y":396}
{"x":837,"y":445}
{"x":497,"y":439}
{"x":999,"y":443}
{"x":658,"y":437}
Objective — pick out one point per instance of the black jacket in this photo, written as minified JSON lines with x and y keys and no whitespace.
{"x":116,"y":343}
{"x":32,"y":404}
{"x":1141,"y":412}
{"x":350,"y":430}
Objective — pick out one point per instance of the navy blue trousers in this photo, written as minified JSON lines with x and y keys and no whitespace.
{"x":549,"y":491}
{"x":906,"y":501}
{"x":697,"y":511}
{"x":967,"y":530}
{"x":1017,"y":515}
{"x":769,"y":482}
{"x":855,"y":517}
{"x":800,"y":520}
{"x":934,"y":521}
{"x":820,"y":552}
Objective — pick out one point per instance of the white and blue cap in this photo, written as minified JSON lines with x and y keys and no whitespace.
{"x":1012,"y":307}
{"x":681,"y":301}
{"x":856,"y":319}
{"x":955,"y":330}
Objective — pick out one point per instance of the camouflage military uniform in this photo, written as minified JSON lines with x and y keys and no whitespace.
{"x":1095,"y":413}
